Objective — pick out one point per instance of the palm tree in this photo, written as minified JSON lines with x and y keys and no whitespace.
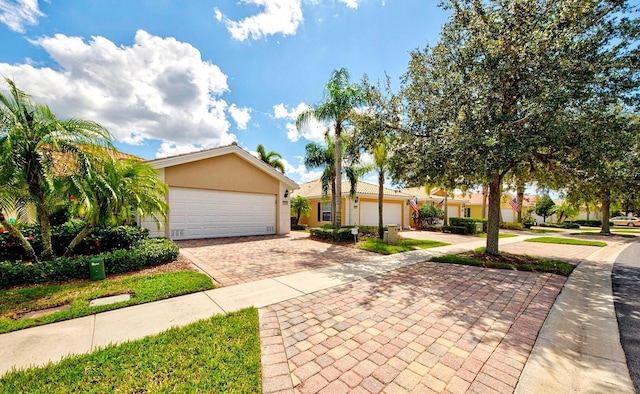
{"x":126,"y":188}
{"x":341,"y":98}
{"x":36,"y":149}
{"x":272,"y":158}
{"x":300,"y":206}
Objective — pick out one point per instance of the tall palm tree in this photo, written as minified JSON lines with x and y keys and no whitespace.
{"x":341,"y":98}
{"x":272,"y":158}
{"x":126,"y":188}
{"x":36,"y":148}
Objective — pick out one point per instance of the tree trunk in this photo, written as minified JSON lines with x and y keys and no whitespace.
{"x":587,"y":209}
{"x":15,"y":233}
{"x":333,"y":199}
{"x":380,"y":204}
{"x":298,"y":216}
{"x":446,"y":209}
{"x":493,"y":224}
{"x":484,"y":201}
{"x":77,"y":239}
{"x":45,"y":230}
{"x":338,"y":158}
{"x":519,"y":201}
{"x":605,"y":198}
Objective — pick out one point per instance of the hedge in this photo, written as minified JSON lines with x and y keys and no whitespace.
{"x":469,"y":224}
{"x":588,"y":223}
{"x":146,"y":253}
{"x":456,"y":229}
{"x":512,"y":226}
{"x":560,"y":225}
{"x":100,"y":239}
{"x":342,"y":234}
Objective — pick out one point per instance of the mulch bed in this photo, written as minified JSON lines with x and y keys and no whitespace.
{"x":501,"y":258}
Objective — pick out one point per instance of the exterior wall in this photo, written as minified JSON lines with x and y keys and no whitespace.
{"x":350,"y":212}
{"x":476,"y":211}
{"x":283,"y":211}
{"x":228,"y":172}
{"x":312,"y":219}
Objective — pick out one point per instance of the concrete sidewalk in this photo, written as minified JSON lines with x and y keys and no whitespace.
{"x":52,"y":342}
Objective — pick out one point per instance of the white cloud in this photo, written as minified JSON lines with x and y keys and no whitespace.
{"x":157,"y":88}
{"x":18,"y":13}
{"x":218,"y":14}
{"x":314,"y":130}
{"x":350,"y":3}
{"x":241,"y":116}
{"x":277,"y":17}
{"x":300,"y":172}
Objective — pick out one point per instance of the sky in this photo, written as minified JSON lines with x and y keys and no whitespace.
{"x":168,"y":77}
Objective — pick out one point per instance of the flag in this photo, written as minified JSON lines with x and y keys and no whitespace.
{"x":514,"y":204}
{"x":440,"y":203}
{"x":414,"y":205}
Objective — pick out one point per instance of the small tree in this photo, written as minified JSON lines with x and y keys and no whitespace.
{"x":544,"y":207}
{"x":429,"y":214}
{"x":300,"y":206}
{"x":564,"y":211}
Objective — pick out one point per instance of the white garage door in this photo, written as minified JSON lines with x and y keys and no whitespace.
{"x":391,"y":214}
{"x":198,"y":213}
{"x":508,"y":215}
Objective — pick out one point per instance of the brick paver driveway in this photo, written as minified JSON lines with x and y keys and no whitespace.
{"x":424,"y":328}
{"x":244,"y":259}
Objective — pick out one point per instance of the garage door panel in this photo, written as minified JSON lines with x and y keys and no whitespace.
{"x":391,"y":214}
{"x":210,"y":213}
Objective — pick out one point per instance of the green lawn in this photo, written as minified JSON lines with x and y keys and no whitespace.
{"x":566,"y":241}
{"x":143,"y":288}
{"x":534,"y":264}
{"x":500,"y":235}
{"x":542,"y":230}
{"x":218,"y":355}
{"x":404,"y":245}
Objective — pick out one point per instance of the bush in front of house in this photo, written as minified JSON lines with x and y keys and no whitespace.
{"x":147,"y":253}
{"x":369,"y":231}
{"x":469,"y":224}
{"x":511,"y":226}
{"x":566,"y":225}
{"x":342,"y":234}
{"x":588,"y":223}
{"x":100,"y":239}
{"x":455,"y":229}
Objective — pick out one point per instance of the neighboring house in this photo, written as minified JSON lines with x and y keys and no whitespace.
{"x":359,"y":210}
{"x":456,"y":206}
{"x":222,"y":192}
{"x":507,"y":213}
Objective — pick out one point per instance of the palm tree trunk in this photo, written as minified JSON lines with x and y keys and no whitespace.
{"x":605,"y":197}
{"x":338,"y":181}
{"x":45,"y":229}
{"x":587,"y":208}
{"x":30,"y":254}
{"x":78,"y":238}
{"x":333,"y":199}
{"x":380,"y":204}
{"x":446,"y":208}
{"x":493,"y":225}
{"x":519,"y":201}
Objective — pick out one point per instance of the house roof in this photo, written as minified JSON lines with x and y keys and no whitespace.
{"x":204,"y":154}
{"x":435,"y":194}
{"x":313,"y":189}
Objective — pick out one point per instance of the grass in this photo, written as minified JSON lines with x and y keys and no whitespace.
{"x":542,"y":231}
{"x":220,"y":355}
{"x":404,"y":245}
{"x":508,"y":261}
{"x":619,"y":234}
{"x":566,"y":241}
{"x":501,"y":235}
{"x":143,"y":288}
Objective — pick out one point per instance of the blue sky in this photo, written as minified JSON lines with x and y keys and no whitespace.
{"x":168,"y":77}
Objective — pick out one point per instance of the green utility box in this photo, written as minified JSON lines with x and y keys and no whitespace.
{"x":96,"y":268}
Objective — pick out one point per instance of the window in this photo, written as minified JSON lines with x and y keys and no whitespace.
{"x":326,"y":211}
{"x":467,"y":212}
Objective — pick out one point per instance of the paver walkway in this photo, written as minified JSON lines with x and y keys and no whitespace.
{"x":424,"y":328}
{"x":231,"y":261}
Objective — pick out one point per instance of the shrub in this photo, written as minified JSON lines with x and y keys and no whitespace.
{"x":149,"y":252}
{"x":429,"y":215}
{"x":342,"y":234}
{"x":560,"y":225}
{"x":298,"y":227}
{"x":455,"y":229}
{"x":100,"y":239}
{"x":588,"y":223}
{"x":511,"y":226}
{"x":370,"y":231}
{"x":469,"y":224}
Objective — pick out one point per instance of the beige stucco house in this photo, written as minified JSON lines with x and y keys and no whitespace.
{"x":222,"y":192}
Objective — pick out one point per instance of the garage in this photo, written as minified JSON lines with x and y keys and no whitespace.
{"x":222,"y":192}
{"x":212,"y":214}
{"x":391,"y":214}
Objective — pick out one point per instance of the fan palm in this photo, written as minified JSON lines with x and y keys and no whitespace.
{"x":341,"y":98}
{"x":272,"y":158}
{"x":36,"y":149}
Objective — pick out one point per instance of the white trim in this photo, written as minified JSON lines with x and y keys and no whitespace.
{"x":220,"y":151}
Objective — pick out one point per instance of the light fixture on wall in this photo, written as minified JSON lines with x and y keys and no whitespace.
{"x":355,"y":200}
{"x":286,"y":193}
{"x":407,"y":202}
